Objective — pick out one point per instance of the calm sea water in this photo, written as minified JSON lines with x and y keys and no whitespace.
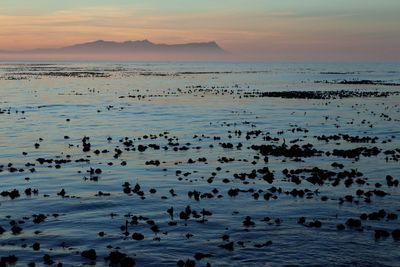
{"x":53,"y":107}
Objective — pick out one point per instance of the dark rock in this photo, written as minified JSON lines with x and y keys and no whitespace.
{"x":47,"y":259}
{"x":115,"y":257}
{"x":396,"y":234}
{"x":340,"y":227}
{"x":36,"y":246}
{"x":137,"y":236}
{"x":229,"y":246}
{"x":381,"y":234}
{"x":89,"y":254}
{"x":127,"y":262}
{"x":199,"y":256}
{"x":301,"y":220}
{"x":12,"y":259}
{"x":353,"y":223}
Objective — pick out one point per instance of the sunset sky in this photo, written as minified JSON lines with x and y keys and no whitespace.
{"x":250,"y":29}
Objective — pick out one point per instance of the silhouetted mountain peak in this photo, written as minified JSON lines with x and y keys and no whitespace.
{"x":139,"y":46}
{"x":143,"y":49}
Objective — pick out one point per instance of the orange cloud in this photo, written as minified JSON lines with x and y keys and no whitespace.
{"x":255,"y":35}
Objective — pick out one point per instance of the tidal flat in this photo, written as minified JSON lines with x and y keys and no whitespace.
{"x":199,"y":164}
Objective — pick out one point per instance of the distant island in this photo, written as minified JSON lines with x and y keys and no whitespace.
{"x":129,"y":49}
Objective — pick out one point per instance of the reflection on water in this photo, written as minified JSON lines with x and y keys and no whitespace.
{"x":185,"y":133}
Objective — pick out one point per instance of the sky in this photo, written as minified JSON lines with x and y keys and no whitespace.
{"x":311,"y":30}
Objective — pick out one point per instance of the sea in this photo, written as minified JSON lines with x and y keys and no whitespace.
{"x":191,"y":164}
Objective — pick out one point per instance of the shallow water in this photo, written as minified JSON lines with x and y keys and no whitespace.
{"x":39,"y":104}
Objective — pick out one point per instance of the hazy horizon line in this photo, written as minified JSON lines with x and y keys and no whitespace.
{"x":98,"y":40}
{"x":260,"y":61}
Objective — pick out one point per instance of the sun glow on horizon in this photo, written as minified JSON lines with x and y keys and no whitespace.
{"x":358,"y":29}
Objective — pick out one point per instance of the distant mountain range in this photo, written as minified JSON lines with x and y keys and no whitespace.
{"x":128,"y":47}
